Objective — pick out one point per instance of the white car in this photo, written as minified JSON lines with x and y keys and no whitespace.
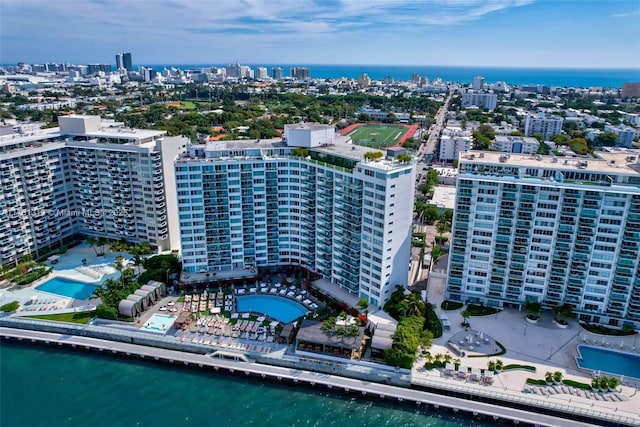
{"x":171,"y":303}
{"x":163,"y":308}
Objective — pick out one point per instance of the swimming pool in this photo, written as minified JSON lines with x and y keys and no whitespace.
{"x":608,"y":361}
{"x":68,"y":288}
{"x":282,"y":309}
{"x":158,"y":323}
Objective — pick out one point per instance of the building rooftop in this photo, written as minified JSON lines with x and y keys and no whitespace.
{"x":308,"y":126}
{"x":615,"y":163}
{"x":341,"y":148}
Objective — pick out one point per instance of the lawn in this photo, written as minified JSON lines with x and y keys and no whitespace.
{"x":80,"y":317}
{"x":377,"y":136}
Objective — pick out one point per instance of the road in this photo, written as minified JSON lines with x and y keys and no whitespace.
{"x":426,"y":153}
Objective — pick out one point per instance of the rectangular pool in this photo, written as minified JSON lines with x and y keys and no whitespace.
{"x":68,"y":288}
{"x":158,"y":323}
{"x":608,"y":361}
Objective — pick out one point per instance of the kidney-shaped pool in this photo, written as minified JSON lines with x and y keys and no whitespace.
{"x":282,"y":309}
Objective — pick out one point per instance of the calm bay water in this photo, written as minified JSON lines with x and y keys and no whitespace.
{"x":42,"y":386}
{"x":612,"y":78}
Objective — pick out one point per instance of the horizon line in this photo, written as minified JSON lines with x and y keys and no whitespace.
{"x":513,"y":67}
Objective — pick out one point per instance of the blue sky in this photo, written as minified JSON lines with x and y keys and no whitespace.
{"x":513,"y":33}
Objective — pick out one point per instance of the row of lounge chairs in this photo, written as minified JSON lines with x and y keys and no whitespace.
{"x":614,"y":396}
{"x":230,"y":344}
{"x":88,"y":272}
{"x":208,"y":301}
{"x":41,"y":307}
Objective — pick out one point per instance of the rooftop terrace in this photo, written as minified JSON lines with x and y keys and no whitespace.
{"x":613,"y":163}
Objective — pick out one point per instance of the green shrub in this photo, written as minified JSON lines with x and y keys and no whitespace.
{"x":441,"y":240}
{"x":576,"y":384}
{"x":603,"y":330}
{"x":451,"y":305}
{"x":516,"y":366}
{"x":105,"y":311}
{"x":481,"y":310}
{"x":533,"y":381}
{"x":9,"y":307}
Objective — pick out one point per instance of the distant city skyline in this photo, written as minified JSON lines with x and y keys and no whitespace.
{"x":499,"y":33}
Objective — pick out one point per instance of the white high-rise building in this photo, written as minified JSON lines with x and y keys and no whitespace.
{"x":539,"y":123}
{"x":264,"y":204}
{"x":87,"y":178}
{"x":452,"y":142}
{"x":261,"y":73}
{"x":625,"y":134}
{"x":481,"y":100}
{"x":539,"y":228}
{"x":478,"y":83}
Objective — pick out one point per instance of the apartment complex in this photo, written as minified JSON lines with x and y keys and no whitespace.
{"x":453,"y":141}
{"x":550,"y":230}
{"x":547,"y":126}
{"x":516,"y":144}
{"x":306,"y":202}
{"x":625,"y":134}
{"x":86,"y":177}
{"x":480,"y":100}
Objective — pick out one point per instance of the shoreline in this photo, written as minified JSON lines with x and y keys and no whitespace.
{"x":262,"y":368}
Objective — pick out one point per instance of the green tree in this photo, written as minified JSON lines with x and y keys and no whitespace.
{"x":300,"y":152}
{"x":579,"y":145}
{"x":100,"y":292}
{"x":533,"y":308}
{"x":363,"y":304}
{"x":560,"y":139}
{"x":543,"y":149}
{"x":431,"y":214}
{"x":373,"y":155}
{"x":93,"y":242}
{"x":442,"y":228}
{"x":105,"y":311}
{"x":539,"y":137}
{"x":137,"y":262}
{"x":404,"y":158}
{"x":607,"y":139}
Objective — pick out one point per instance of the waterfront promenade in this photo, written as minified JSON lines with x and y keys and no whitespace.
{"x":338,"y":383}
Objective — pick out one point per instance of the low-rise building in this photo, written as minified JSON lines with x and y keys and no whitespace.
{"x":625,"y":134}
{"x":516,"y":144}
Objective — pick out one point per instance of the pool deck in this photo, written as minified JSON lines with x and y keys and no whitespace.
{"x":543,"y":345}
{"x":65,"y":268}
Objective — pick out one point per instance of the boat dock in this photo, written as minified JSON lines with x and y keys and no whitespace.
{"x":232,"y":362}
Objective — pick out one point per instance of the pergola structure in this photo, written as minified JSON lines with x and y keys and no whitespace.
{"x":312,"y":339}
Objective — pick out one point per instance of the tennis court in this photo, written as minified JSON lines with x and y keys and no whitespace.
{"x":377,"y":135}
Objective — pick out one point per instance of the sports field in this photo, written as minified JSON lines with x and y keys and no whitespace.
{"x":377,"y":135}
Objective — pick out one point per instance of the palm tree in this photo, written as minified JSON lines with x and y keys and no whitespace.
{"x":442,"y":228}
{"x":102,"y":242}
{"x":92,"y":241}
{"x":557,"y":377}
{"x":533,"y":309}
{"x":137,"y":261}
{"x":548,"y":377}
{"x":100,"y":292}
{"x":119,"y":266}
{"x":414,"y":305}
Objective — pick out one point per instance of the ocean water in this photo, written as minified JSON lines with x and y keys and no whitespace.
{"x":48,"y":386}
{"x":611,"y":78}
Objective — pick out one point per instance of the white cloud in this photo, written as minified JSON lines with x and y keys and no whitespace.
{"x":624,"y":15}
